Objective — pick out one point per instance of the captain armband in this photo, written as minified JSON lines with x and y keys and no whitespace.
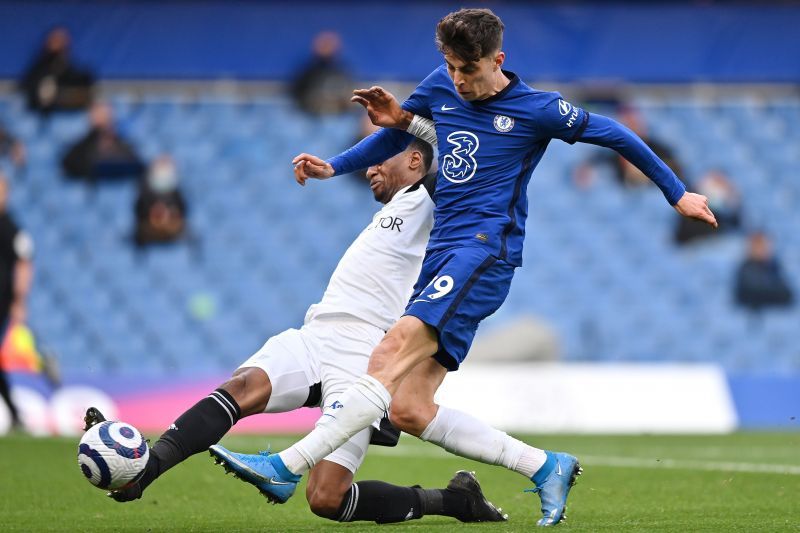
{"x":423,"y":128}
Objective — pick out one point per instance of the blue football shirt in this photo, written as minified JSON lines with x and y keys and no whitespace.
{"x":488,"y":150}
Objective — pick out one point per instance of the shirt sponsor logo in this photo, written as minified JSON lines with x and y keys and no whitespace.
{"x":391,"y":223}
{"x":503,"y":123}
{"x":572,"y":117}
{"x":459,"y":165}
{"x":564,"y":108}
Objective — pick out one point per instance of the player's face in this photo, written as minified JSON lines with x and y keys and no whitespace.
{"x":388,"y":177}
{"x":474,"y":80}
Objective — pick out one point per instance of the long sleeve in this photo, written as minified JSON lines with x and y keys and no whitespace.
{"x":371,"y":150}
{"x":603,"y":131}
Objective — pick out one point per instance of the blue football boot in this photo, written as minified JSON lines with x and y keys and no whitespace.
{"x":553,"y":482}
{"x":266,"y":471}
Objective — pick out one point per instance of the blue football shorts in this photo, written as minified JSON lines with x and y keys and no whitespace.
{"x":456,"y":289}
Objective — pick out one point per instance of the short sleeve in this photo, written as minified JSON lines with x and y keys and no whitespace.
{"x":559,"y":119}
{"x":419,"y":101}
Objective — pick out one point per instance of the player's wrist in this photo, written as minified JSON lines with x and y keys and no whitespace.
{"x":404,"y":120}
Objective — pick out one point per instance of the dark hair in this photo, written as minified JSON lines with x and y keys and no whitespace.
{"x":470,"y":34}
{"x":427,"y":153}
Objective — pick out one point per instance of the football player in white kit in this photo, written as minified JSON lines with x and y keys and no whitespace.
{"x":312,"y":365}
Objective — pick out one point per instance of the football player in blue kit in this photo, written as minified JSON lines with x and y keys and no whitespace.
{"x":492,"y":130}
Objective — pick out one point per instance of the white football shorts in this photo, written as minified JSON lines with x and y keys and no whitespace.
{"x":332,"y":350}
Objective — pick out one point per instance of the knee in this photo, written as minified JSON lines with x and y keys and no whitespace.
{"x":412,"y":418}
{"x":251,"y":388}
{"x":325,"y":500}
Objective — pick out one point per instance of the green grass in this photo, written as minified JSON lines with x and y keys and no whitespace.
{"x":644,"y":483}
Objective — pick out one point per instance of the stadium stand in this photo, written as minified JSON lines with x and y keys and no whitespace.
{"x":267,"y":247}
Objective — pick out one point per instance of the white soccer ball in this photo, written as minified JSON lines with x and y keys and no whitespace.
{"x":112,"y":455}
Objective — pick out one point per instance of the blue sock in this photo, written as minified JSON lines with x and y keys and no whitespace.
{"x":280,"y":468}
{"x":549,"y":465}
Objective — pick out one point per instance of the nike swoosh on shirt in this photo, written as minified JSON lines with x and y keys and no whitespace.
{"x":445,"y":108}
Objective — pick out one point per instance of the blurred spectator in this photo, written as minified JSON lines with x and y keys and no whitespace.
{"x":102,"y":152}
{"x":16,"y":274}
{"x":324,"y":85}
{"x":160,"y":207}
{"x":53,"y":82}
{"x":759,"y":280}
{"x":624,"y":172}
{"x":723,"y":199}
{"x":11,"y":148}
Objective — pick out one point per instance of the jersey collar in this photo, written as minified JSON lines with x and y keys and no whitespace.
{"x":513,"y":82}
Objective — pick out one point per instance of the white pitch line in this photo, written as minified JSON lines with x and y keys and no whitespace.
{"x":690,"y":464}
{"x":621,"y":462}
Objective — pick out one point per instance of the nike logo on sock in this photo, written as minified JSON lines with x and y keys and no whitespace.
{"x":410,"y":515}
{"x":558,"y":468}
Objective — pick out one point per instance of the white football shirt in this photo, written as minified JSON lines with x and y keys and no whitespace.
{"x":375,"y":278}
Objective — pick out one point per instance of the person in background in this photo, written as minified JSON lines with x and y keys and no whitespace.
{"x":160,"y":207}
{"x":102,"y":152}
{"x":323,"y":86}
{"x":53,"y":82}
{"x":12,"y":148}
{"x":723,"y":198}
{"x":16,"y":275}
{"x":759,"y":280}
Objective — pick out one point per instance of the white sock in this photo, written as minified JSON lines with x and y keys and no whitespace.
{"x":358,"y":407}
{"x":464,"y":435}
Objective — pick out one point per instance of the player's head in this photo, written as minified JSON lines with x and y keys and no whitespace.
{"x":470,"y":40}
{"x":402,"y":170}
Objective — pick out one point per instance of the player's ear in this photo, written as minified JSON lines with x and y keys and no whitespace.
{"x":499,"y":59}
{"x":414,"y":160}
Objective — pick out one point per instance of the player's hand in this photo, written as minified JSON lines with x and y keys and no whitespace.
{"x":382,"y":107}
{"x":310,"y":166}
{"x":696,"y":206}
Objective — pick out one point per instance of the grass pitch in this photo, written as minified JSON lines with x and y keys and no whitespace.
{"x":742,"y":482}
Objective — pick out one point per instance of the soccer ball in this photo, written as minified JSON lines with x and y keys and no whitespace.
{"x":112,"y":455}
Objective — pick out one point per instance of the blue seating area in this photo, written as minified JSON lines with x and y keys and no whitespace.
{"x":600,"y":265}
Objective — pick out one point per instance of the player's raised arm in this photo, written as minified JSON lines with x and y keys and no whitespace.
{"x":373,"y":149}
{"x":563,"y":121}
{"x":385,"y":111}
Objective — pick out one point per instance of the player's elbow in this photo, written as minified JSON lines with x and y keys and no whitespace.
{"x":325,"y":501}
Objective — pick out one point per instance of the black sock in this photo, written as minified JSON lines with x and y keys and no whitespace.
{"x":193,"y":432}
{"x":5,"y":392}
{"x":444,"y":502}
{"x":380,"y":502}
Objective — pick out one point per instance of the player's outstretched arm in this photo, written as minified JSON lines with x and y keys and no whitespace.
{"x":604,"y":131}
{"x":374,"y":149}
{"x":383,"y":108}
